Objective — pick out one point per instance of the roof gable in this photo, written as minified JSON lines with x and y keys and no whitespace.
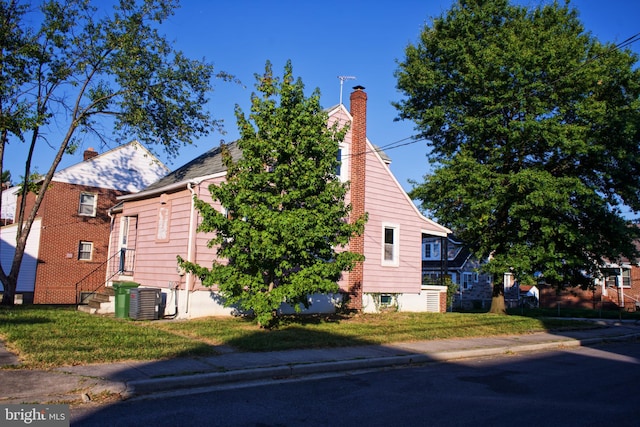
{"x":129,"y":168}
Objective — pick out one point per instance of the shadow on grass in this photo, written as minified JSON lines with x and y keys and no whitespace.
{"x":294,"y":337}
{"x":17,"y":315}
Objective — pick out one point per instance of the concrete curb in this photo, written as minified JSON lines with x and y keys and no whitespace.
{"x":158,"y":385}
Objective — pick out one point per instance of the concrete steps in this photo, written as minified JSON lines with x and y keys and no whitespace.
{"x":102,"y":302}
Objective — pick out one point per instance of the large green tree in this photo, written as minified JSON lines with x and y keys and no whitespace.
{"x":285,"y":224}
{"x":534,"y":130}
{"x":69,"y":70}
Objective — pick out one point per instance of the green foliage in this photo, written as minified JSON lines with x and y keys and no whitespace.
{"x":452,"y":289}
{"x":534,"y":128}
{"x":70,"y":70}
{"x":6,"y":178}
{"x":286,"y":226}
{"x":31,"y":184}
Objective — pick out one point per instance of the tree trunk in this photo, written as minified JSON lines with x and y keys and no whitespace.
{"x":9,"y":292}
{"x":497,"y":299}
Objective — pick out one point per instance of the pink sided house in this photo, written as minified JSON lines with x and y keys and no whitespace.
{"x":152,"y":227}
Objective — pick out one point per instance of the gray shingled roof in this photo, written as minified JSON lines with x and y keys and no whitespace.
{"x":385,"y":158}
{"x":206,"y":164}
{"x":210,"y":163}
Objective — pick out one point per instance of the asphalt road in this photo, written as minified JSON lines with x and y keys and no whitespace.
{"x":574,"y":387}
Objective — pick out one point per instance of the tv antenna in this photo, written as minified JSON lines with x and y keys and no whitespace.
{"x":342,"y":79}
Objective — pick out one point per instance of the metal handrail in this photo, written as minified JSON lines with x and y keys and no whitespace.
{"x":125,"y":261}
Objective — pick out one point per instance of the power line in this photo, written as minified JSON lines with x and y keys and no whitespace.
{"x":388,"y":147}
{"x":414,"y":138}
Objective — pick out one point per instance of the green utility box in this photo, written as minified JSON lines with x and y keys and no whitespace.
{"x":123,"y":298}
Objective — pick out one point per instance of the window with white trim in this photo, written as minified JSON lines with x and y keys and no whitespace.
{"x":88,"y":203}
{"x":431,"y":249}
{"x":342,"y":170}
{"x":85,"y":251}
{"x":390,"y":245}
{"x":467,"y":280}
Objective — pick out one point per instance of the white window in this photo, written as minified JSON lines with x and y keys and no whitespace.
{"x":467,"y":280}
{"x":431,"y":249}
{"x":124,"y":231}
{"x":85,"y":251}
{"x":626,"y":278}
{"x":342,"y":170}
{"x":88,"y":202}
{"x":390,"y":245}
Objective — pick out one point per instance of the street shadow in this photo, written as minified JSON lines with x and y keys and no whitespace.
{"x":518,"y":376}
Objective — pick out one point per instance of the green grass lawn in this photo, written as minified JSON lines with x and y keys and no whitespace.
{"x":46,"y":337}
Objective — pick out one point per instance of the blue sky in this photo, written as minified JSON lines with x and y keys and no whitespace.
{"x":324,"y":40}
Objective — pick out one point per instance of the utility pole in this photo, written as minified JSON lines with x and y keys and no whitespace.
{"x":342,"y":79}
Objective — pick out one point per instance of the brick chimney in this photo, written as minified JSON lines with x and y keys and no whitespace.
{"x":89,"y":153}
{"x":358,"y":101}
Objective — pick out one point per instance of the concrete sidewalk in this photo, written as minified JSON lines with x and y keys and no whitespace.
{"x":132,"y":379}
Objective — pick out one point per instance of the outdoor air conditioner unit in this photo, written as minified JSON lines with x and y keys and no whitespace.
{"x":144,"y":303}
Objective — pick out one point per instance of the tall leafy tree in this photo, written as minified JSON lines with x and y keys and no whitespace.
{"x":5,"y":178}
{"x":534,"y":128}
{"x":70,"y":69}
{"x":283,"y":233}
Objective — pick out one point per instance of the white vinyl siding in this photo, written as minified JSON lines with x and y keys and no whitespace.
{"x":27,"y":276}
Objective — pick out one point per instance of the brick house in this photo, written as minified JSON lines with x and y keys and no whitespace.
{"x":160,"y":223}
{"x":619,"y":288}
{"x":69,"y":243}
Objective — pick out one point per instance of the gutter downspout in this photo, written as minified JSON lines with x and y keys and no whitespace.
{"x":190,"y":249}
{"x":112,"y":220}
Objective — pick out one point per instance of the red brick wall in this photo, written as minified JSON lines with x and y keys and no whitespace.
{"x":569,"y":298}
{"x":635,"y":289}
{"x":358,"y":165}
{"x":59,"y":268}
{"x":590,"y":299}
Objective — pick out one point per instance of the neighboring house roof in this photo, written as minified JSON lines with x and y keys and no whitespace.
{"x":129,"y":168}
{"x":209,"y":163}
{"x":457,"y":263}
{"x":385,"y":158}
